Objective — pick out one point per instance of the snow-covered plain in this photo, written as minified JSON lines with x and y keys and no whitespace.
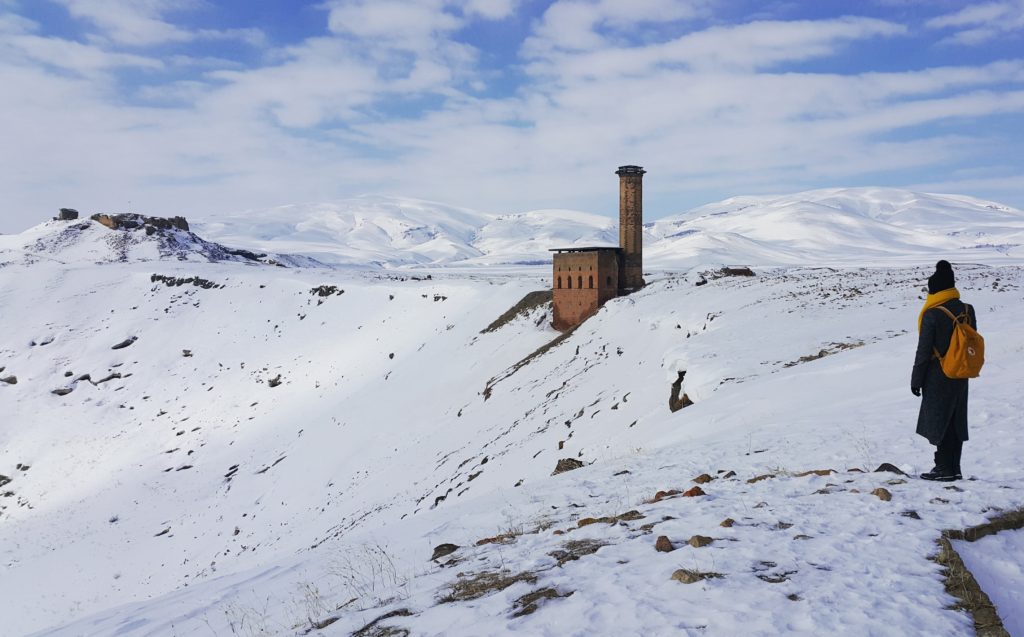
{"x":265,"y":459}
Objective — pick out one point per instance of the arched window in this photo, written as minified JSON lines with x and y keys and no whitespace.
{"x":579,"y":281}
{"x":559,"y":283}
{"x":591,"y":281}
{"x":608,"y":282}
{"x":570,"y":281}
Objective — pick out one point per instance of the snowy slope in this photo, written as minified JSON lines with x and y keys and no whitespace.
{"x":852,"y":226}
{"x":87,"y":241}
{"x":840,"y":226}
{"x":206,"y":499}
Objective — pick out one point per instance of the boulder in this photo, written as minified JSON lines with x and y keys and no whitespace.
{"x":882,"y":494}
{"x":566,"y":464}
{"x":663,"y":544}
{"x":697,"y":541}
{"x":444,"y":549}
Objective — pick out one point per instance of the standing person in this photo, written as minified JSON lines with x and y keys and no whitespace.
{"x":943,"y":416}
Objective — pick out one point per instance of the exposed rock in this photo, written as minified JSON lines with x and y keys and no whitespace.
{"x":730,"y":474}
{"x":4,"y":480}
{"x":275,"y":381}
{"x":131,"y":221}
{"x":663,"y":544}
{"x":575,"y":549}
{"x":759,"y":478}
{"x":913,"y":515}
{"x":675,"y":402}
{"x":187,"y":353}
{"x":528,"y":604}
{"x":697,"y":541}
{"x":815,"y":472}
{"x":882,"y":494}
{"x":444,"y":549}
{"x":661,"y":495}
{"x":66,"y":214}
{"x":703,"y":479}
{"x":62,"y":391}
{"x":687,"y":576}
{"x":727,"y":522}
{"x":885,"y":466}
{"x":566,"y":464}
{"x":125,"y":343}
{"x":694,"y":492}
{"x":10,"y":380}
{"x":740,"y":271}
{"x":501,"y":538}
{"x":173,"y":282}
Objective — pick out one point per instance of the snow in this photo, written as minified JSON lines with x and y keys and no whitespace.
{"x":839,"y":226}
{"x":997,"y":563}
{"x":398,"y":426}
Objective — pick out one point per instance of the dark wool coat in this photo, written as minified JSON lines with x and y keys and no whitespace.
{"x":944,"y":400}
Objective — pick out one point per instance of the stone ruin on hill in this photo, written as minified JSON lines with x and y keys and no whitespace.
{"x":131,"y":221}
{"x":66,"y":214}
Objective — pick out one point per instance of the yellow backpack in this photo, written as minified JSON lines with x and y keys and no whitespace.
{"x":966,"y":353}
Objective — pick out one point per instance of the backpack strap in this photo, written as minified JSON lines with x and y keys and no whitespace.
{"x":956,"y":320}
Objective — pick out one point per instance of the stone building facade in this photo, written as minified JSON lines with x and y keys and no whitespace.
{"x":583,"y":279}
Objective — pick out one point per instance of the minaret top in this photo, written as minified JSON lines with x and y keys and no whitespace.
{"x":630,"y":170}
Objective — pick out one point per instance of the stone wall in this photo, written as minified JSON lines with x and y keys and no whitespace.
{"x":582,"y":282}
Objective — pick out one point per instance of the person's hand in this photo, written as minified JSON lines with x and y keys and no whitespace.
{"x":916,"y":391}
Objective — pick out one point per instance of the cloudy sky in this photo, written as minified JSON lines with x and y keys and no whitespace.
{"x":197,"y":107}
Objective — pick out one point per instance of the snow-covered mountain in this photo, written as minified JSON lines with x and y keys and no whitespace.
{"x":193,"y":446}
{"x":398,"y":231}
{"x":132,"y":238}
{"x":842,"y":225}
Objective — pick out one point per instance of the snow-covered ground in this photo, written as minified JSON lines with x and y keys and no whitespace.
{"x":268,"y":454}
{"x":997,"y":563}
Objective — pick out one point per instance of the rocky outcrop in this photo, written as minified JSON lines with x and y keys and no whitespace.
{"x":66,"y":214}
{"x":133,"y":221}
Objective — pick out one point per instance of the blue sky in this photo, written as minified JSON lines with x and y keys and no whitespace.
{"x":197,"y":107}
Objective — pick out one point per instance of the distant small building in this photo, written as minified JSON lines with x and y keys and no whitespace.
{"x":66,"y":214}
{"x":584,"y":278}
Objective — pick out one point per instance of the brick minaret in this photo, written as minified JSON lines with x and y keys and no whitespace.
{"x":631,"y":219}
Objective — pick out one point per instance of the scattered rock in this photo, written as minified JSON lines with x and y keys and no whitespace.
{"x":697,"y":541}
{"x":566,"y":464}
{"x":727,"y":522}
{"x":528,"y":604}
{"x":910,"y":514}
{"x":730,"y":474}
{"x":575,"y":549}
{"x":62,"y":391}
{"x":882,"y":494}
{"x":10,"y":380}
{"x":164,"y":532}
{"x":481,"y":584}
{"x":501,"y":538}
{"x":125,"y":343}
{"x":739,"y":271}
{"x":687,"y":576}
{"x":891,"y":468}
{"x":703,"y":479}
{"x":801,"y":536}
{"x":663,"y":544}
{"x":4,"y":480}
{"x":187,"y":353}
{"x":444,"y":549}
{"x":760,"y":478}
{"x":275,"y":381}
{"x":694,"y":492}
{"x":815,"y":472}
{"x":661,"y":495}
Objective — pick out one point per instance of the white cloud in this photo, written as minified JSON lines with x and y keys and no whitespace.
{"x":143,"y":22}
{"x":980,"y":23}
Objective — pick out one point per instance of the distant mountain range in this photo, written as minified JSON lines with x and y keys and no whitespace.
{"x":830,"y":226}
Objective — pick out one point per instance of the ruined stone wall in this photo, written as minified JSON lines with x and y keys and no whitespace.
{"x":581,"y":283}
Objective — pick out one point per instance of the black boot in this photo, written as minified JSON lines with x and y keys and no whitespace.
{"x":940,"y":475}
